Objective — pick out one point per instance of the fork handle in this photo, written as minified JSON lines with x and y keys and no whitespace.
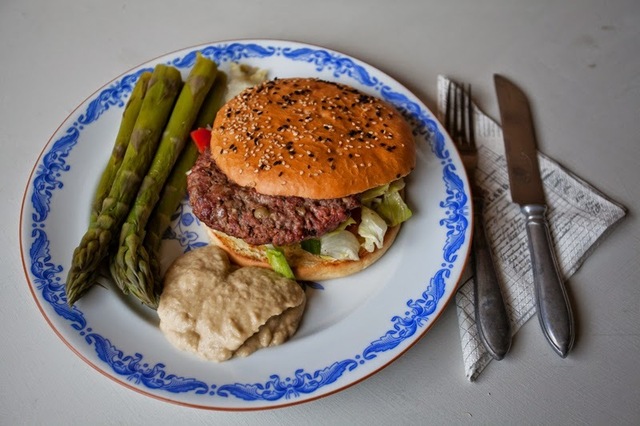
{"x":491,"y":315}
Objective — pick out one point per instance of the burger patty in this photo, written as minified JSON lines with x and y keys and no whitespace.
{"x":257,"y":218}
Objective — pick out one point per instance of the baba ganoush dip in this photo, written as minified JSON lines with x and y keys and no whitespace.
{"x":218,"y":311}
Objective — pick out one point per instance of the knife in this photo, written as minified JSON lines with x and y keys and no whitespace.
{"x":552,"y":301}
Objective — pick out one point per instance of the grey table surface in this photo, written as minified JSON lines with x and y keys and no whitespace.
{"x":578,"y":60}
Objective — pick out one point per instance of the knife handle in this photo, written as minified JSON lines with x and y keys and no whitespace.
{"x":552,"y":301}
{"x":491,"y":315}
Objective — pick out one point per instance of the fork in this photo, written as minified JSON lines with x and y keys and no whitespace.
{"x":490,"y":312}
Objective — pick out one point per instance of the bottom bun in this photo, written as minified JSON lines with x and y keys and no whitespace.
{"x":305,"y":266}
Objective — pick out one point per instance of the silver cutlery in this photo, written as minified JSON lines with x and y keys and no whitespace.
{"x":552,"y":302}
{"x":491,"y":316}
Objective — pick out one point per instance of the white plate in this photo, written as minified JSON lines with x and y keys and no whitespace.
{"x":353,"y":327}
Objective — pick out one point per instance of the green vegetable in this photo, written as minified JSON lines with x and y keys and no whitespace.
{"x":372,"y":228}
{"x":341,"y":245}
{"x":131,"y":111}
{"x":175,"y":188}
{"x":278,"y":262}
{"x":388,"y":203}
{"x":312,"y":245}
{"x":374,"y":195}
{"x":130,"y":266}
{"x":393,"y":209}
{"x":163,"y":88}
{"x":368,"y":196}
{"x":213,"y":102}
{"x":344,"y":225}
{"x":381,"y":207}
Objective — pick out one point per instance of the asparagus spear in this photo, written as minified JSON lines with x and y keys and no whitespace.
{"x":176,"y":187}
{"x":131,"y":111}
{"x":131,"y":256}
{"x":212,"y":103}
{"x":162,"y":91}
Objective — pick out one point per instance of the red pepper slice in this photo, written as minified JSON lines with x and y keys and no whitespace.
{"x":202,"y":138}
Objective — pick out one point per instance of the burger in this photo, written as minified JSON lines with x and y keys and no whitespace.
{"x":305,"y":174}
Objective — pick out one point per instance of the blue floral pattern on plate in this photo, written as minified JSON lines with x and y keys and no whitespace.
{"x":47,"y":276}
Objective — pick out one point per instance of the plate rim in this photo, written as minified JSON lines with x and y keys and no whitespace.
{"x":303,"y":398}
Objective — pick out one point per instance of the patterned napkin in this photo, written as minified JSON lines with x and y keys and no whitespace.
{"x":579,"y":217}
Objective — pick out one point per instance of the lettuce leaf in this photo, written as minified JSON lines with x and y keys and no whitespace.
{"x":278,"y":262}
{"x":341,"y":245}
{"x":370,"y":195}
{"x":312,"y":245}
{"x":372,"y":228}
{"x":382,"y":207}
{"x":387,"y":202}
{"x":393,"y":209}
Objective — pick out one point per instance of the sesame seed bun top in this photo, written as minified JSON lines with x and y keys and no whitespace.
{"x":311,"y":138}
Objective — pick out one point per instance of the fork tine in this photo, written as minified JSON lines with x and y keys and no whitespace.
{"x":447,"y":114}
{"x":472,"y":132}
{"x":461,"y":115}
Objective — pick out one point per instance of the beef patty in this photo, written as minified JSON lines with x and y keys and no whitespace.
{"x":257,"y":218}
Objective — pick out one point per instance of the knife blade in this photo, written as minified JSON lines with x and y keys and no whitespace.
{"x":552,"y":301}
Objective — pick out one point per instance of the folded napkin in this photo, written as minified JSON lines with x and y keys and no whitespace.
{"x":579,"y":217}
